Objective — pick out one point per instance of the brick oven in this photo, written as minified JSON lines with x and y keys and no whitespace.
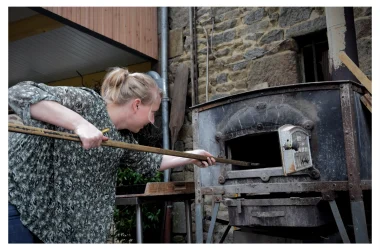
{"x":313,"y":144}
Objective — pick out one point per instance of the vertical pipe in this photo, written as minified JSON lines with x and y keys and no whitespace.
{"x":191,"y":55}
{"x":341,"y":37}
{"x":188,"y":220}
{"x":165,"y":111}
{"x":164,"y":75}
{"x":139,"y":234}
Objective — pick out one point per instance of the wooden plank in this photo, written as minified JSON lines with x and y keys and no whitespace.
{"x":123,"y":28}
{"x":178,"y":105}
{"x":367,"y":101}
{"x":116,"y":29}
{"x":90,"y":18}
{"x":107,"y":21}
{"x":31,"y":26}
{"x":168,"y":188}
{"x":356,"y":71}
{"x":154,"y":33}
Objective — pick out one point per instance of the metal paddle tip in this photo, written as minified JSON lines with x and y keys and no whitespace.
{"x":257,"y":164}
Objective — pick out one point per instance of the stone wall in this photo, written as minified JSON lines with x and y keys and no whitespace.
{"x":246,"y":44}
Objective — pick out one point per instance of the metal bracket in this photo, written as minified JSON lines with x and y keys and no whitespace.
{"x":216,"y":200}
{"x":339,"y":222}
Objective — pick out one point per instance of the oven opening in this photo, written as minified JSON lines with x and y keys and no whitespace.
{"x":261,"y":148}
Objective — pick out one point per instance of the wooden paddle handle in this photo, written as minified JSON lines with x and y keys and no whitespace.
{"x":117,"y":144}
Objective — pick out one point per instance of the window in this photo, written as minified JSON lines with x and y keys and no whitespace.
{"x":314,"y":56}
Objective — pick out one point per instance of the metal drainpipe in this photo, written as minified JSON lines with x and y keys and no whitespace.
{"x":165,"y":113}
{"x":164,"y":75}
{"x":341,"y":37}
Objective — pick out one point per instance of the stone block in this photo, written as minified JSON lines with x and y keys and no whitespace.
{"x":221,"y":10}
{"x":293,"y":15}
{"x":271,"y":10}
{"x":254,"y":37}
{"x":178,"y":17}
{"x":279,"y":69}
{"x":254,"y":28}
{"x":221,"y":78}
{"x":288,"y":44}
{"x":179,"y":218}
{"x":273,"y":17}
{"x":362,"y":11}
{"x":254,"y":16}
{"x":237,"y":75}
{"x":363,"y":27}
{"x":271,"y":36}
{"x":365,"y":55}
{"x":237,"y":91}
{"x":241,"y":84}
{"x":256,"y":52}
{"x":232,"y":14}
{"x":240,"y":65}
{"x":177,"y":176}
{"x":307,"y":27}
{"x":235,"y":58}
{"x":202,"y":11}
{"x":225,"y":87}
{"x":189,"y":176}
{"x":229,"y":24}
{"x":222,"y":52}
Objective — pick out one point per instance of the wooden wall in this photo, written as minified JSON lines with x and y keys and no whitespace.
{"x":135,"y":27}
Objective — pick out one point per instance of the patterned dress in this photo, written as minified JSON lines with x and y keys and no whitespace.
{"x":66,"y":194}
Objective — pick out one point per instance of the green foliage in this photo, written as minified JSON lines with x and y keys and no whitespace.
{"x":125,"y":216}
{"x":152,"y":213}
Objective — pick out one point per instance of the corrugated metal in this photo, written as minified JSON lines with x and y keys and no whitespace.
{"x":135,"y":27}
{"x":58,"y":54}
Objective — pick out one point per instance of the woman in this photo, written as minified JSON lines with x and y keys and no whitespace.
{"x":64,"y":191}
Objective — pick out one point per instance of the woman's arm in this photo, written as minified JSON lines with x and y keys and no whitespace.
{"x":57,"y":114}
{"x":169,"y":161}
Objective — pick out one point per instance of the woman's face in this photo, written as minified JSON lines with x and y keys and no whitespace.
{"x":145,"y":115}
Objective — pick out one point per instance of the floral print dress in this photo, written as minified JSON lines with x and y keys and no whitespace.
{"x":64,"y":193}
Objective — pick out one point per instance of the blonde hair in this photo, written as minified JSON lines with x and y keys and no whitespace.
{"x":119,"y":86}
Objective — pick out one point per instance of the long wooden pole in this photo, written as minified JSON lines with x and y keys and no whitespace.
{"x":117,"y":144}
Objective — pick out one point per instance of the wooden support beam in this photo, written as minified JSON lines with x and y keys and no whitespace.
{"x":31,"y":26}
{"x":367,"y":101}
{"x":356,"y":71}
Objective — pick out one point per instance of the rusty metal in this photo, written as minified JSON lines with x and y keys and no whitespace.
{"x":245,"y":127}
{"x":198,"y":203}
{"x":310,"y":86}
{"x":353,"y":164}
{"x":296,"y":201}
{"x":265,"y":174}
{"x":329,"y":195}
{"x":350,"y":142}
{"x":297,"y":187}
{"x":111,"y":143}
{"x":291,"y":212}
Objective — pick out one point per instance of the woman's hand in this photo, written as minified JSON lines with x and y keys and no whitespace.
{"x":202,"y":164}
{"x":54,"y":113}
{"x":90,"y":136}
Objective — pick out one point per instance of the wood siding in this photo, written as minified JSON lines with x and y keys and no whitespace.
{"x":135,"y":27}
